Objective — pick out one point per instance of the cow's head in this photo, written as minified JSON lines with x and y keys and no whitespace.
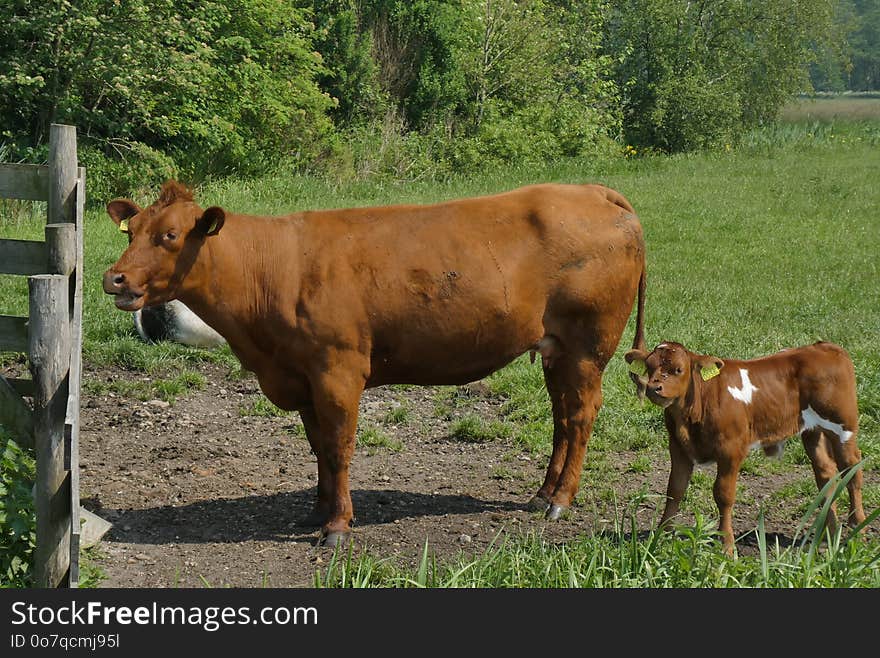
{"x":163,"y":243}
{"x":671,"y":372}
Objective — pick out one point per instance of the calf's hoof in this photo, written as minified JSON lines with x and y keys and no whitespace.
{"x":538,"y":504}
{"x":335,"y":538}
{"x":555,"y":512}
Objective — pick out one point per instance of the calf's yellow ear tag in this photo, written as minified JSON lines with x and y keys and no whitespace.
{"x":638,"y":367}
{"x":123,"y":226}
{"x":708,"y":372}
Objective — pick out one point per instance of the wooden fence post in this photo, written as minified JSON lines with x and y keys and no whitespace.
{"x":62,"y":173}
{"x":49,"y":348}
{"x":61,"y":248}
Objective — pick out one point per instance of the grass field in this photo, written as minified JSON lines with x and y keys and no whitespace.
{"x":847,"y":107}
{"x":771,"y":245}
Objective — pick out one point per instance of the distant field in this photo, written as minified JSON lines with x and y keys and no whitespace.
{"x":830,"y":108}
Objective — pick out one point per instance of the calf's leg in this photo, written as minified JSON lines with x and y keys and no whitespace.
{"x":824,"y":468}
{"x":847,"y":455}
{"x":725,"y":494}
{"x":679,"y":478}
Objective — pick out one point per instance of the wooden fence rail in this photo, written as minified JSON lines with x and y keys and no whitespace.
{"x":52,"y":337}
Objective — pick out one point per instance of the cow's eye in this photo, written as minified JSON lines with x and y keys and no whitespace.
{"x":171,"y":236}
{"x":678,"y":371}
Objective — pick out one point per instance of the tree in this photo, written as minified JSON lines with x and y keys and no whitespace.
{"x":694,"y":74}
{"x":221,"y":86}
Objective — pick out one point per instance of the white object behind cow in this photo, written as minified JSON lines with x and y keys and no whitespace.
{"x":176,"y":322}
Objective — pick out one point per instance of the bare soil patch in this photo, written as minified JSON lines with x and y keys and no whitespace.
{"x":202,"y":495}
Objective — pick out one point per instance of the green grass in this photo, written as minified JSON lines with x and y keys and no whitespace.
{"x":263,"y":408}
{"x":473,"y":429}
{"x":771,"y":245}
{"x":370,"y":436}
{"x":150,"y":388}
{"x":622,"y":557}
{"x":398,"y":414}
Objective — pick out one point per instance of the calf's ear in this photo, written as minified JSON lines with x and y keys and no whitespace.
{"x":638,"y":370}
{"x":120,"y":210}
{"x":708,"y":366}
{"x":211,"y":221}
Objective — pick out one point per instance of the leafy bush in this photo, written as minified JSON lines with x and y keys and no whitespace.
{"x":217,"y":86}
{"x":17,"y":521}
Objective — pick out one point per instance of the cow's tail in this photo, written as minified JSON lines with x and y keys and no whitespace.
{"x":639,"y":338}
{"x":638,"y":378}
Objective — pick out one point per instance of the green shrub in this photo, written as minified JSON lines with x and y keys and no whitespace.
{"x":17,"y":520}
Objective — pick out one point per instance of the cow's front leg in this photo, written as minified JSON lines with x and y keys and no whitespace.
{"x":321,"y":511}
{"x":679,"y":478}
{"x":335,"y":395}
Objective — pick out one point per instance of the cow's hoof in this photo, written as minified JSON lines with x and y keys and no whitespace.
{"x":555,"y":512}
{"x":538,"y":504}
{"x":335,"y":539}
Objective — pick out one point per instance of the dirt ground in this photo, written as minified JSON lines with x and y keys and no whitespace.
{"x":200,"y":495}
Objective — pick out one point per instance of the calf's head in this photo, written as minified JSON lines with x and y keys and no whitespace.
{"x":164,"y":240}
{"x":672,"y":373}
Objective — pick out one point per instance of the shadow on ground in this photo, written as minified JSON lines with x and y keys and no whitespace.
{"x":276,"y":517}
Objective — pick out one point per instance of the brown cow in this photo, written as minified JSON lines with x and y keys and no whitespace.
{"x":321,"y":305}
{"x":716,"y":411}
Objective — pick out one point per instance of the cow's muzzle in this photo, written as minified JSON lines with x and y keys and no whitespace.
{"x":126,"y":297}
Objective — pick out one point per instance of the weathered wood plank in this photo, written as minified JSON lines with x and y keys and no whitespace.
{"x":15,"y":416}
{"x":49,"y":351}
{"x":24,"y":181}
{"x":88,"y":528}
{"x":13,"y":333}
{"x":22,"y":257}
{"x":24,"y":387}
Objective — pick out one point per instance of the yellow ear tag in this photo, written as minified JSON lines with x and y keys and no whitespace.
{"x":638,"y":367}
{"x":708,"y":372}
{"x":213,"y":226}
{"x":123,"y":226}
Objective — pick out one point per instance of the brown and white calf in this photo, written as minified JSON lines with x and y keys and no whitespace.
{"x":716,"y":411}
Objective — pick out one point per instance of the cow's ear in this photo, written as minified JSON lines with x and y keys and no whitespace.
{"x":120,"y":210}
{"x":211,"y":221}
{"x":708,"y":366}
{"x":638,"y":370}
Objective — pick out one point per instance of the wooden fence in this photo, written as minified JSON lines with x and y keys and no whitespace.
{"x":52,"y":337}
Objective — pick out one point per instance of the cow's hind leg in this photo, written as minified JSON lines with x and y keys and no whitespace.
{"x":320,"y":513}
{"x":575,"y":386}
{"x":824,"y":467}
{"x":541,"y":501}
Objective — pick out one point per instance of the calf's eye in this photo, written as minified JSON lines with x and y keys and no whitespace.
{"x":678,"y":371}
{"x":171,"y":236}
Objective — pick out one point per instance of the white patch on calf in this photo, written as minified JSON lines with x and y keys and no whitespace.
{"x":755,"y":445}
{"x":744,"y":393}
{"x":812,"y":420}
